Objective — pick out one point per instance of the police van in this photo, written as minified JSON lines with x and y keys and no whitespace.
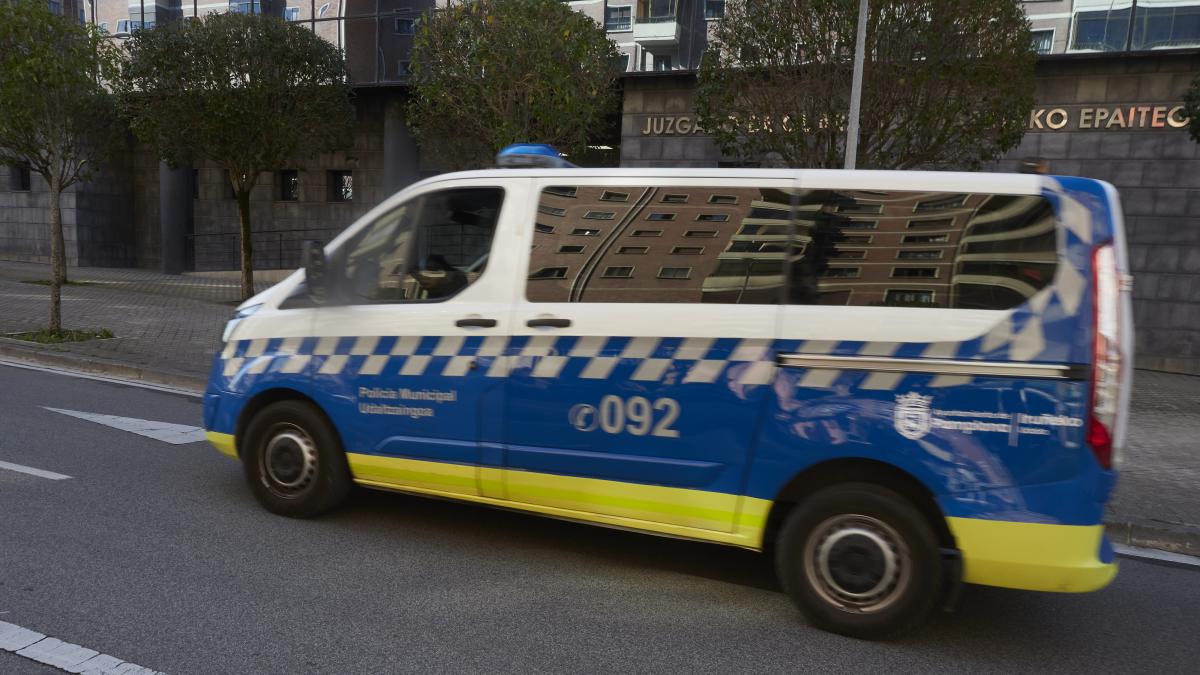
{"x":896,"y":382}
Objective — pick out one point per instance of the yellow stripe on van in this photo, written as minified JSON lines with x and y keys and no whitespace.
{"x":694,"y":514}
{"x":1032,"y":556}
{"x":224,"y":443}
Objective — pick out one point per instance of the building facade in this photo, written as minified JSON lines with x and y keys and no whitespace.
{"x":1109,"y":88}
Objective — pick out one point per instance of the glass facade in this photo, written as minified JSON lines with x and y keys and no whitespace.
{"x":1073,"y":26}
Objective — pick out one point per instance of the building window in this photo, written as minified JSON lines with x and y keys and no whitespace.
{"x":617,"y":272}
{"x":908,"y":298}
{"x":561,"y":191}
{"x":610,"y":196}
{"x":633,"y":250}
{"x":662,"y":62}
{"x":851,"y":254}
{"x":291,"y":13}
{"x":288,"y":182}
{"x":570,"y":249}
{"x":859,"y":224}
{"x":1166,"y":27}
{"x":550,"y":273}
{"x":647,"y":233}
{"x":931,"y":224}
{"x":56,"y":6}
{"x":675,"y":273}
{"x":842,"y":272}
{"x":599,"y":215}
{"x":341,"y":186}
{"x":1043,"y":40}
{"x":543,"y":229}
{"x":924,"y":238}
{"x":551,"y":210}
{"x":674,"y":199}
{"x":20,"y":179}
{"x":855,"y":239}
{"x":688,"y":250}
{"x":405,"y":26}
{"x":618,"y":18}
{"x":700,"y":234}
{"x":1102,"y":30}
{"x":585,"y":232}
{"x":940,"y":204}
{"x":661,"y":216}
{"x":722,"y":199}
{"x":403,"y":68}
{"x":922,"y":254}
{"x":195,"y":183}
{"x":104,"y":27}
{"x":770,"y":213}
{"x":714,"y":9}
{"x":855,"y":206}
{"x":923,"y":272}
{"x":712,"y":217}
{"x":245,"y":6}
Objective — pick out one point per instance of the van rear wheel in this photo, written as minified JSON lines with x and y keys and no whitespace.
{"x":862,"y":561}
{"x":294,"y":461}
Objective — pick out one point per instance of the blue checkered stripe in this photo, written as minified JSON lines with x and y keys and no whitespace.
{"x":747,"y":361}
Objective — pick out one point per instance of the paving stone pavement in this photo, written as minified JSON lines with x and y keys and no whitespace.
{"x":173,"y":324}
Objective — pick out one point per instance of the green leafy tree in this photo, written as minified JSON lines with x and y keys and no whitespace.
{"x":494,"y":72}
{"x":946,"y":82}
{"x":251,"y":93}
{"x":1191,"y":109}
{"x":56,"y":116}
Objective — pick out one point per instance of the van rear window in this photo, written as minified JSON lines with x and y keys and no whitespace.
{"x":768,"y":245}
{"x":986,"y":251}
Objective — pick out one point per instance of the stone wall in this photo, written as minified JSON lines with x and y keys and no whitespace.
{"x":281,"y":227}
{"x":1082,"y":125}
{"x":1156,"y":168}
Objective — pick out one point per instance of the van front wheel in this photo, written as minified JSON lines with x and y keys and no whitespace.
{"x":860,"y":560}
{"x":294,"y":461}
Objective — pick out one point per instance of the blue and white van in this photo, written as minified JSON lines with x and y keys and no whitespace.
{"x":894,"y":381}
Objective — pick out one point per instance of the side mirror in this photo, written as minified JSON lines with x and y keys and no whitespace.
{"x":314,"y":270}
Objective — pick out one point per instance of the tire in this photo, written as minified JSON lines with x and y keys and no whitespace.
{"x":833,"y":560}
{"x":294,"y":461}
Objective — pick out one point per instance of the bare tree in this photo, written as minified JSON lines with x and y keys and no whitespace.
{"x":946,"y":82}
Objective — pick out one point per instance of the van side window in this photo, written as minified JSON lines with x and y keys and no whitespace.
{"x":976,"y":251}
{"x":733,"y":266}
{"x":429,"y":248}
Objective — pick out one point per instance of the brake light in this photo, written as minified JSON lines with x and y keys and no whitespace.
{"x":1107,"y":365}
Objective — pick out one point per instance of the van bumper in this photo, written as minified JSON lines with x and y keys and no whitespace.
{"x":1034,"y":556}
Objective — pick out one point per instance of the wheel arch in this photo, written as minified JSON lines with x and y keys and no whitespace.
{"x":265,"y":398}
{"x":856,"y":470}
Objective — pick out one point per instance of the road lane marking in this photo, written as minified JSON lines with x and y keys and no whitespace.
{"x":63,"y":655}
{"x":40,"y":473}
{"x":176,"y":434}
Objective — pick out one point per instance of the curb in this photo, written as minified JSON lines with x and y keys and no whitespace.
{"x":13,"y":350}
{"x":1173,"y":538}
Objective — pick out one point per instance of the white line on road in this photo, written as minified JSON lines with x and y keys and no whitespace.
{"x":100,"y":378}
{"x":64,"y":655}
{"x":1154,"y":555}
{"x":40,"y":473}
{"x":176,"y":434}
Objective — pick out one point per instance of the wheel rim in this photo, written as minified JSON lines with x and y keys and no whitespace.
{"x":288,"y":461}
{"x":857,"y":563}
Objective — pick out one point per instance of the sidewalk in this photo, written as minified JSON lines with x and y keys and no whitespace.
{"x":169,"y":327}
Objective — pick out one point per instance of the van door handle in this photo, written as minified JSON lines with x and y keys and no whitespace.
{"x":548,"y":323}
{"x":475,"y":322}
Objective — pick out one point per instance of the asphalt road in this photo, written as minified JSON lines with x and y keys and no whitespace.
{"x":157,"y":554}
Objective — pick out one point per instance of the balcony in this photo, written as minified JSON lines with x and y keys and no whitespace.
{"x":657,"y":23}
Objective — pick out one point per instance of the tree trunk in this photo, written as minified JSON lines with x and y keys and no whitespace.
{"x":243,"y":200}
{"x":58,"y":258}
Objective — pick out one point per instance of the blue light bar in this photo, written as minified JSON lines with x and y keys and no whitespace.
{"x":531,"y":155}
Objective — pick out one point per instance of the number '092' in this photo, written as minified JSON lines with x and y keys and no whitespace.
{"x":636,"y":415}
